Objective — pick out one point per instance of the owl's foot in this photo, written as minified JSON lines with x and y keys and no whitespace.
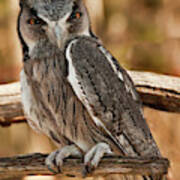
{"x":54,"y":161}
{"x":93,"y":157}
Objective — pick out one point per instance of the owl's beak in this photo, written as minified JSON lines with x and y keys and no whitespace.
{"x":58,"y":33}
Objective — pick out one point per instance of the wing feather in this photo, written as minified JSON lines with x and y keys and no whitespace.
{"x":107,"y":92}
{"x":81,"y":93}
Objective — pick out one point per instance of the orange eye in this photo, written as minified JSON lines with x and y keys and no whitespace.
{"x":78,"y":15}
{"x":35,"y":21}
{"x":75,"y":15}
{"x":31,"y":21}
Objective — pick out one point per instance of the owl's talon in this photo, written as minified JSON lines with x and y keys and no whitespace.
{"x":54,"y":161}
{"x":88,"y":169}
{"x":93,"y":157}
{"x":51,"y":162}
{"x":84,"y":172}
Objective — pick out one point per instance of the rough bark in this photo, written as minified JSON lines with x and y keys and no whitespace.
{"x":33,"y":164}
{"x":157,"y":91}
{"x":11,"y":110}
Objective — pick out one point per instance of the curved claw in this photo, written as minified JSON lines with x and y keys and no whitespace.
{"x":52,"y":170}
{"x":51,"y":163}
{"x":93,"y":157}
{"x":54,"y":161}
{"x":88,"y":169}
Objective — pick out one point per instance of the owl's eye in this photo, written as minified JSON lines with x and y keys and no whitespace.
{"x":75,"y":15}
{"x":35,"y":21}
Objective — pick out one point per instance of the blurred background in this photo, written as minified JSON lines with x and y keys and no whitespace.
{"x":142,"y":35}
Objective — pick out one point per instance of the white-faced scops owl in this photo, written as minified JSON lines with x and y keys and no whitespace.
{"x":75,"y":91}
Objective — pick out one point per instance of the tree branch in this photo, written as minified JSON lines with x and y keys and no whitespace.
{"x":157,"y":91}
{"x":10,"y":104}
{"x":33,"y":164}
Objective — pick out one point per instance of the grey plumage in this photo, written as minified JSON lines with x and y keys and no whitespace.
{"x":108,"y":96}
{"x":74,"y":91}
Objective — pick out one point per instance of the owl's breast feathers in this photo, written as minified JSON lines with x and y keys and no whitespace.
{"x":51,"y":105}
{"x":84,"y":97}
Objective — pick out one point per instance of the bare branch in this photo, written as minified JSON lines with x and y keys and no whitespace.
{"x":157,"y":91}
{"x":10,"y":104}
{"x":33,"y":164}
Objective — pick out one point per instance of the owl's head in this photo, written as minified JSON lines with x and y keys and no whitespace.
{"x":53,"y":20}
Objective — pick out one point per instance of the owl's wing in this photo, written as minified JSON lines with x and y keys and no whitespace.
{"x":108,"y":94}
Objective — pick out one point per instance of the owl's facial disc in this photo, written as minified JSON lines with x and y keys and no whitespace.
{"x":30,"y":28}
{"x":74,"y":22}
{"x":56,"y":21}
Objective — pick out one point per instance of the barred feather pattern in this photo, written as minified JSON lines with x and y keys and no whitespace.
{"x":53,"y":108}
{"x":51,"y":105}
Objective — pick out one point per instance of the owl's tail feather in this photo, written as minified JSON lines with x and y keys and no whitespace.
{"x":135,"y":177}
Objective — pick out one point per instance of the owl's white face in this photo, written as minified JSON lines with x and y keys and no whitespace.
{"x":54,"y":20}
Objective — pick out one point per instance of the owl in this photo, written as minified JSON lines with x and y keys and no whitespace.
{"x":74,"y":91}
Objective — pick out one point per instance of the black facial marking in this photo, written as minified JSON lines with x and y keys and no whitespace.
{"x":92,"y":34}
{"x":33,"y":12}
{"x":24,"y":45}
{"x":20,"y":4}
{"x":75,"y":7}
